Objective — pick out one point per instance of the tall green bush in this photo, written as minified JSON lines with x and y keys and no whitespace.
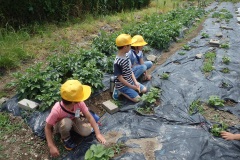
{"x":19,"y":12}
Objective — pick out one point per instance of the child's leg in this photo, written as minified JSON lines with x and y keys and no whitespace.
{"x":82,"y":127}
{"x":148,"y":64}
{"x":130,"y":93}
{"x":143,"y":89}
{"x":138,"y":70}
{"x":63,"y":127}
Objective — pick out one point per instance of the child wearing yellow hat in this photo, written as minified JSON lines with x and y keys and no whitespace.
{"x":139,"y":67}
{"x":125,"y":83}
{"x":65,"y":116}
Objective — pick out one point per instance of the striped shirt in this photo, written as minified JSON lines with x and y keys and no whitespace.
{"x":122,"y":66}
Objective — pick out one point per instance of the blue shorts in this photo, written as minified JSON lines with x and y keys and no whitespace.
{"x":131,"y":92}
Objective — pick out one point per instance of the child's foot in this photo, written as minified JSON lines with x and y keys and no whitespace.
{"x":115,"y":94}
{"x":147,"y":77}
{"x":69,"y":144}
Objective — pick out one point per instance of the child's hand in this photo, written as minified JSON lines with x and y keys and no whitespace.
{"x":138,"y":87}
{"x":101,"y":139}
{"x":227,"y":135}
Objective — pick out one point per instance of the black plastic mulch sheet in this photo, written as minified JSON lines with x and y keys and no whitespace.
{"x":171,"y":132}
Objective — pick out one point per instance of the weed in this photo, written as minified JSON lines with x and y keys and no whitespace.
{"x":218,"y":128}
{"x":225,"y":70}
{"x":181,"y":53}
{"x":2,"y":94}
{"x":226,"y":59}
{"x":12,"y":50}
{"x":99,"y":152}
{"x":225,"y":84}
{"x":117,"y":148}
{"x":215,"y":101}
{"x":117,"y":102}
{"x":195,"y":106}
{"x":2,"y":148}
{"x":216,"y":117}
{"x":7,"y":127}
{"x":145,"y":110}
{"x":224,"y":45}
{"x":223,"y":15}
{"x":208,"y":62}
{"x":210,"y":56}
{"x":205,"y":35}
{"x":208,"y":67}
{"x":165,"y":76}
{"x":186,"y":47}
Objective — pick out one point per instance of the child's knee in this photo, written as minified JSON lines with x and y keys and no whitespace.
{"x":144,"y":90}
{"x":85,"y":129}
{"x":136,"y":99}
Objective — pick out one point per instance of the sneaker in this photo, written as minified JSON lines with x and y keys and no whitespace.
{"x":115,"y":94}
{"x":69,"y":144}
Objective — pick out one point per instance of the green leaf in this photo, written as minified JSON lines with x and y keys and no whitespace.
{"x":100,"y":153}
{"x":88,"y":155}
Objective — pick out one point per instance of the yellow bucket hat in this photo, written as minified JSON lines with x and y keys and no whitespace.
{"x":124,"y":40}
{"x":139,"y":41}
{"x":74,"y":91}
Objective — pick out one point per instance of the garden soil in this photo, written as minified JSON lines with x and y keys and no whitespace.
{"x":171,"y":133}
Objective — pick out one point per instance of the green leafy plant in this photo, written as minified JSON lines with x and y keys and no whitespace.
{"x":224,"y":45}
{"x":225,"y":70}
{"x":225,"y":84}
{"x":181,"y":53}
{"x":210,"y":56}
{"x":215,"y":101}
{"x":216,"y":117}
{"x":186,"y":47}
{"x":165,"y":76}
{"x":98,"y":152}
{"x":218,"y":128}
{"x":151,"y":96}
{"x":208,"y":62}
{"x":149,"y":99}
{"x":226,"y":59}
{"x":117,"y":148}
{"x":208,"y":67}
{"x":223,"y":15}
{"x":205,"y":35}
{"x":117,"y":102}
{"x":195,"y":106}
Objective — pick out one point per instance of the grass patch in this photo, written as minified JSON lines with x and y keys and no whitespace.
{"x":7,"y":127}
{"x":208,"y":62}
{"x":12,"y":48}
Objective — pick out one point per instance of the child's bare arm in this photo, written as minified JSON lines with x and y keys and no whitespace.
{"x":121,"y":79}
{"x":93,"y":123}
{"x":230,"y":136}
